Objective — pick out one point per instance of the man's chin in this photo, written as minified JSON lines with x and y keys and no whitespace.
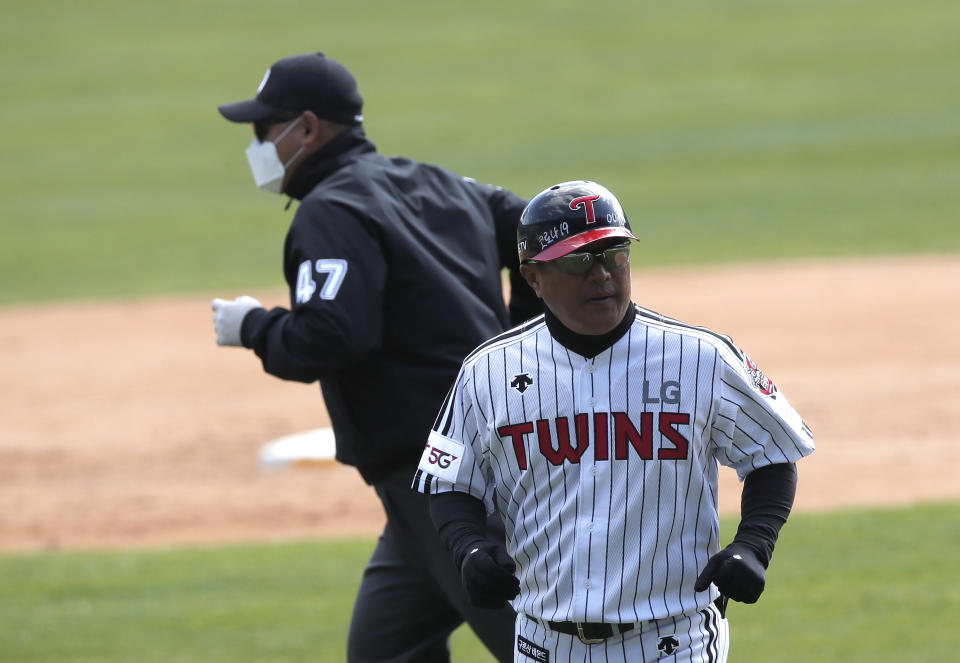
{"x":602,"y":315}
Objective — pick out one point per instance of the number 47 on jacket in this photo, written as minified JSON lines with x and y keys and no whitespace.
{"x":335,"y":270}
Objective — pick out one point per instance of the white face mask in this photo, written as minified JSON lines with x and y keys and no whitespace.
{"x":268,"y":170}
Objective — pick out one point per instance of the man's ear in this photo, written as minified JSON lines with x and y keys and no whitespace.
{"x":313,"y":129}
{"x":532,"y":276}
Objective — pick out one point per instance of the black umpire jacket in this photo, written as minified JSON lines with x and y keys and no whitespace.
{"x":394,"y":270}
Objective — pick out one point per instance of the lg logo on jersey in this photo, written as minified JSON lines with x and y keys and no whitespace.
{"x":669,"y":390}
{"x":627,"y":438}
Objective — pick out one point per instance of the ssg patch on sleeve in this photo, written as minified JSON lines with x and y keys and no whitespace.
{"x":441,"y":457}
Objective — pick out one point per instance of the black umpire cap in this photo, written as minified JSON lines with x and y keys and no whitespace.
{"x":308,"y":82}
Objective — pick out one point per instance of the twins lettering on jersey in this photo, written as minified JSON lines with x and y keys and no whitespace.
{"x":558,"y":444}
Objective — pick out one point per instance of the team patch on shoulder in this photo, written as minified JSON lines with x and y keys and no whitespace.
{"x":441,"y":457}
{"x":763,"y":384}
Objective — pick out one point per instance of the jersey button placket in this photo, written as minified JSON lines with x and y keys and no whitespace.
{"x":598,"y":471}
{"x":581,"y":565}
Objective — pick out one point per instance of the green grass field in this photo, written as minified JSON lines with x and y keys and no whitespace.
{"x":732,"y":131}
{"x":872,"y":586}
{"x":735,"y":130}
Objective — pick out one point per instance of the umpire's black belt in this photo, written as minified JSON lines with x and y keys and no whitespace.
{"x":595,"y":632}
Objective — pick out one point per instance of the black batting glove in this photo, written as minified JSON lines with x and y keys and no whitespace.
{"x":487,"y":576}
{"x":737,"y":572}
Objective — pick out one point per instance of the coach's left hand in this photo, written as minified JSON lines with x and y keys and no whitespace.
{"x":487,"y":575}
{"x":737,"y":572}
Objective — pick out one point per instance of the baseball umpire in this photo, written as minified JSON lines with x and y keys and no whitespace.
{"x":394,"y":269}
{"x":596,"y":431}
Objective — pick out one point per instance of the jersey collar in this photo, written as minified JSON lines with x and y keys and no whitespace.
{"x":582,"y":344}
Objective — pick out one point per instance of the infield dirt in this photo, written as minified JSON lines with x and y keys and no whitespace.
{"x":123,"y":424}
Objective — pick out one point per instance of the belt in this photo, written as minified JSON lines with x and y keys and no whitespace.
{"x":591,"y":633}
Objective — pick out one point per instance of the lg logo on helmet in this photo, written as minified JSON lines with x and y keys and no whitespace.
{"x":587,"y":203}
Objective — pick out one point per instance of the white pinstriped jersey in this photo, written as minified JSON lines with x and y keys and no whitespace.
{"x":605,"y":469}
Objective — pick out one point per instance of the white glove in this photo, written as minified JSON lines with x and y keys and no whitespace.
{"x":228,"y":317}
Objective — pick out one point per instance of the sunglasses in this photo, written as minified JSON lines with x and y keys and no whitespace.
{"x":261,"y":127}
{"x":613,"y":258}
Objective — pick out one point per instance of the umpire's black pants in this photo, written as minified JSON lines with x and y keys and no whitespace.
{"x":410,"y":599}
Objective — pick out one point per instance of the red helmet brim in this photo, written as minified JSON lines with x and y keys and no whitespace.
{"x":571,"y":244}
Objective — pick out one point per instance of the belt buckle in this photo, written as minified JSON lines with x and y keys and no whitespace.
{"x":585,"y":640}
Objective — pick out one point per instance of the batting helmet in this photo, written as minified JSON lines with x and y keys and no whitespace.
{"x":561,"y":219}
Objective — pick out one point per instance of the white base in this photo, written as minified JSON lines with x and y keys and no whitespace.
{"x":311,"y":448}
